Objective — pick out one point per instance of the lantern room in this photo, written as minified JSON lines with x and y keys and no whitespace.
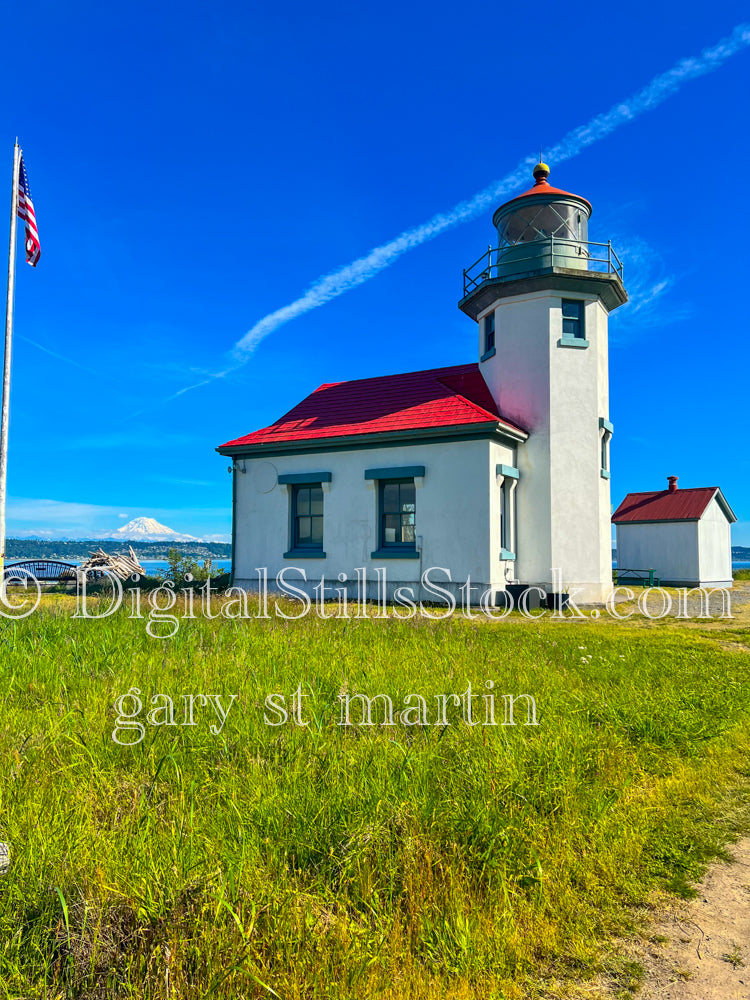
{"x":543,"y":227}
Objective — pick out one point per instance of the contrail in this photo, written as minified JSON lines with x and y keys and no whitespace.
{"x":345,"y":278}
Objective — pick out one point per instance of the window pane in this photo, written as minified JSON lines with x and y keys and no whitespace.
{"x":571,"y":327}
{"x":407,"y":533}
{"x":505,"y":509}
{"x":316,"y":507}
{"x":304,"y":528}
{"x":303,"y":501}
{"x":503,"y":517}
{"x":317,"y":530}
{"x":571,"y":308}
{"x":408,"y":496}
{"x":390,"y":497}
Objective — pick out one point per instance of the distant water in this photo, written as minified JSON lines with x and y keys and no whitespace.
{"x":159,"y":567}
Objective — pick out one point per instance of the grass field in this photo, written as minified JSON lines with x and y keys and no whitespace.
{"x":350,"y":862}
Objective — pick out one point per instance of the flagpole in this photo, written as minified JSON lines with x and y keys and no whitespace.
{"x":4,"y":415}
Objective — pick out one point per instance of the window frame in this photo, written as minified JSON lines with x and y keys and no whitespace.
{"x":296,"y":544}
{"x":383,"y":545}
{"x":488,"y":327}
{"x":580,"y":319}
{"x":508,"y":476}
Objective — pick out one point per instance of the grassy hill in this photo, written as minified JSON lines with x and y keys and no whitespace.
{"x":320,"y":861}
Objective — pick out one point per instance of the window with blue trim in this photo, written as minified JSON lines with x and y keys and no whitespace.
{"x":489,"y":332}
{"x":572,"y":319}
{"x":397,"y":503}
{"x":605,"y":430}
{"x":507,"y":480}
{"x":507,"y":514}
{"x":307,"y":517}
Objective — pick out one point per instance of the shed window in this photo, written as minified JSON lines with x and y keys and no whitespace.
{"x":572,"y":319}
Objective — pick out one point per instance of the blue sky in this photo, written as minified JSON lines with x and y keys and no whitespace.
{"x":192,"y":174}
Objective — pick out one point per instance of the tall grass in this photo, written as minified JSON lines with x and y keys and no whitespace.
{"x":339,"y":862}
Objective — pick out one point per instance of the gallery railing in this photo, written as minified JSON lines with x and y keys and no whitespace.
{"x":518,"y":259}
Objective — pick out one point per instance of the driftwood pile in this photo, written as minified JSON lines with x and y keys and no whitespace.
{"x":118,"y":564}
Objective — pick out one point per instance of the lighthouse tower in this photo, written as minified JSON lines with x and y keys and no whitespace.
{"x":542,"y":299}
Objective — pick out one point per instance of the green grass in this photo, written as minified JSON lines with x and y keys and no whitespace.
{"x":742,"y":574}
{"x":348,"y":863}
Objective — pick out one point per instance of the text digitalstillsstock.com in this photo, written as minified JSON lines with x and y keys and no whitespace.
{"x":165,"y":606}
{"x":355,"y":709}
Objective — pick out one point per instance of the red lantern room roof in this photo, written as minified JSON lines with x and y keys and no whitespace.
{"x":542,"y":186}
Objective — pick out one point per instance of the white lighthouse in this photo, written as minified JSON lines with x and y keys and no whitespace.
{"x":491,"y":473}
{"x":542,"y":300}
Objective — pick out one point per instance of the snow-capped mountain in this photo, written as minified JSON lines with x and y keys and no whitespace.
{"x":148,"y":529}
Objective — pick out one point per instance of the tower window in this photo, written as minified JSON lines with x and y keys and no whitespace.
{"x":489,"y":332}
{"x":572,"y":319}
{"x":307,"y":520}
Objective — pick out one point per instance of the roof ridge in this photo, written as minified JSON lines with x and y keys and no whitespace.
{"x":681,"y":489}
{"x":419,"y":371}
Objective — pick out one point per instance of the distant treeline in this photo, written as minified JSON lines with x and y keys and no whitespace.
{"x":68,"y":551}
{"x":740,"y":552}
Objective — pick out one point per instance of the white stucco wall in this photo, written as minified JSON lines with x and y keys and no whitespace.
{"x":558,"y":394}
{"x":714,"y":538}
{"x":670,"y":548}
{"x":456,"y":513}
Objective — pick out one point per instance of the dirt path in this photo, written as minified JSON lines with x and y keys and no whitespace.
{"x":701,"y":949}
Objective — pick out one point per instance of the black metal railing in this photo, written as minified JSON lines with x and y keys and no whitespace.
{"x":538,"y":255}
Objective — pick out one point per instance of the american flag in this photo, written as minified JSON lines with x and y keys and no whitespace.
{"x":26,"y":212}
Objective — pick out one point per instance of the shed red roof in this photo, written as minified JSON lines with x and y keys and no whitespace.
{"x":440,"y":397}
{"x":677,"y":505}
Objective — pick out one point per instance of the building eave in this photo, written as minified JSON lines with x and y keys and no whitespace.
{"x":726,"y":509}
{"x":422,"y":435}
{"x":658,"y":520}
{"x":607,"y":286}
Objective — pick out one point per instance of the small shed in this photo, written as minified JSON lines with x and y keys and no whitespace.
{"x":683,"y":535}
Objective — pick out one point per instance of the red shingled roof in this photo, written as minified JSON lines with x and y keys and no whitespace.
{"x":441,"y":397}
{"x":679,"y":505}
